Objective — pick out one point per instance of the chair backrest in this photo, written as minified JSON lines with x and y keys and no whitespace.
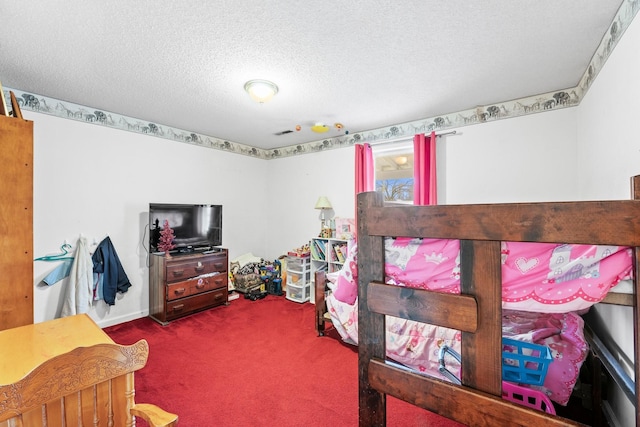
{"x":86,"y":386}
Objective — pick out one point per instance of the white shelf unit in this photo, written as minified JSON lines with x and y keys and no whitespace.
{"x":327,"y":254}
{"x":298,"y":278}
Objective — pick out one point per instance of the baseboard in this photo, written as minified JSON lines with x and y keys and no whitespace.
{"x":112,"y":321}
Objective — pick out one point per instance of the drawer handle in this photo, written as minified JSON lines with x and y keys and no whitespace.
{"x":179,"y":291}
{"x":199,"y":267}
{"x":219,"y":282}
{"x":219,"y":265}
{"x":217,"y":296}
{"x":178,"y":272}
{"x":201,"y":283}
{"x":178,"y":307}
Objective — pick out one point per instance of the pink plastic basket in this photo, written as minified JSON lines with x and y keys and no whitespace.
{"x":513,"y":393}
{"x":527,"y":397}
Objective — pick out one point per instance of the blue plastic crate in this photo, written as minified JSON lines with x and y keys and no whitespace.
{"x":524,"y":363}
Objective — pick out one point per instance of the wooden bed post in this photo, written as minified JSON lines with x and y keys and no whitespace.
{"x":480,"y":275}
{"x":320,"y":280}
{"x":372,"y":403}
{"x":635,"y":187}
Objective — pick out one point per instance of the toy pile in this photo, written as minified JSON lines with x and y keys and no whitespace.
{"x":255,"y":277}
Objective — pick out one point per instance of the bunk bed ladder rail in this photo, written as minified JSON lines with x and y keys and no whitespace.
{"x":602,"y":357}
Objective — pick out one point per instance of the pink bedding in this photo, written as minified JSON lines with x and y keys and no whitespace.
{"x":544,"y":285}
{"x":539,"y":277}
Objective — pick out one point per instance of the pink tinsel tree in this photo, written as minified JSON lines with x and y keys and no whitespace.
{"x":166,"y":238}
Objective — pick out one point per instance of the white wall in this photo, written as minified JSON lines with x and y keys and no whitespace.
{"x":608,"y":127}
{"x":298,"y":181}
{"x":608,"y":134}
{"x":523,"y":159}
{"x":98,"y":181}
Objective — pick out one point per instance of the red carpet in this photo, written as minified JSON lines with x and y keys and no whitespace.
{"x":254,"y":363}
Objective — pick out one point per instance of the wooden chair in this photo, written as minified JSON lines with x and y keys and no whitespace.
{"x":87,"y":386}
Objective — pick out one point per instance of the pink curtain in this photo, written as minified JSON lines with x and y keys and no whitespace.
{"x":424,"y":170}
{"x":364,"y":168}
{"x":364,"y":172}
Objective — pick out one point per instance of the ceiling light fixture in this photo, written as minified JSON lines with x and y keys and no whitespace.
{"x":261,"y":90}
{"x":401,"y":160}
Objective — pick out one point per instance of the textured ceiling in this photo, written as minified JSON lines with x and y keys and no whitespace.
{"x":365,"y":64}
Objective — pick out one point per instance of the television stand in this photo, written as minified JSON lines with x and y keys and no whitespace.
{"x":186,"y":284}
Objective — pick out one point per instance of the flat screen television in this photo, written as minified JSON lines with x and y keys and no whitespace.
{"x":196,"y":227}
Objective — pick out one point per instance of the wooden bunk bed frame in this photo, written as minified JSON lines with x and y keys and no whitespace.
{"x":476,"y":312}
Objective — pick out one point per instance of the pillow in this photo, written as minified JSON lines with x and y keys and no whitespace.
{"x":346,"y":285}
{"x":331,"y":280}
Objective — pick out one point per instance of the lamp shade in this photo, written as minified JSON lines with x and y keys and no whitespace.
{"x":261,"y":90}
{"x":323,"y":203}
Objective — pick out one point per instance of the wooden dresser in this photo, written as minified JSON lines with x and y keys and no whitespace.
{"x":184,"y":284}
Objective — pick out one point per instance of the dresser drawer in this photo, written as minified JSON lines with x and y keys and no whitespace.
{"x":196,"y":286}
{"x":218,"y":281}
{"x":208,"y":283}
{"x":177,"y":271}
{"x":184,"y":306}
{"x":178,"y":290}
{"x":188,"y":268}
{"x":216,"y":262}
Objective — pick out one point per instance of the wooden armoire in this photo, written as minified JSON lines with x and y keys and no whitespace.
{"x":16,"y":222}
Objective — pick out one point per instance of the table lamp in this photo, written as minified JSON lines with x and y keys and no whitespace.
{"x":323,"y":204}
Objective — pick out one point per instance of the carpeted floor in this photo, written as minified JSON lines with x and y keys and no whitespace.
{"x":254,"y":363}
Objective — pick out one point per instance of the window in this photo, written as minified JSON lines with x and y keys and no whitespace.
{"x":394,"y":171}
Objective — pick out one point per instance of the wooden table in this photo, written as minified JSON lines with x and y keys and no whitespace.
{"x":25,"y":347}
